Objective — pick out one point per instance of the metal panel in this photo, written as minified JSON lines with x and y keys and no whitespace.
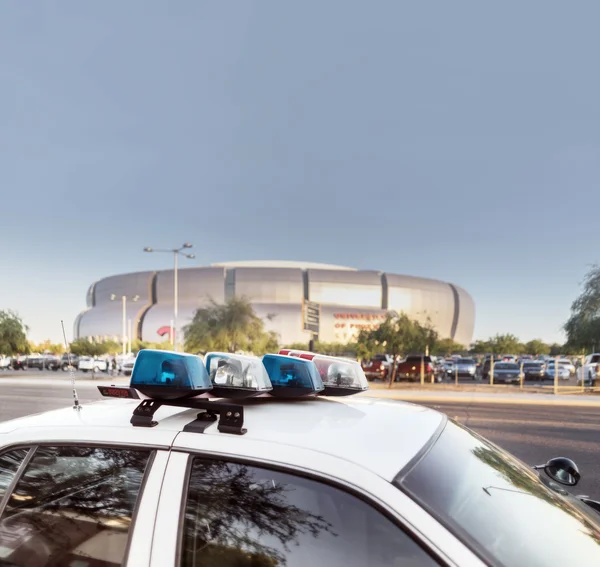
{"x":353,"y":289}
{"x":138,"y":283}
{"x":466,"y":318}
{"x":285,"y":319}
{"x":424,"y":300}
{"x":269,"y":285}
{"x":107,"y":320}
{"x":158,"y":319}
{"x":195,"y":284}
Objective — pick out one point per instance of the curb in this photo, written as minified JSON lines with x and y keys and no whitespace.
{"x":531,"y":399}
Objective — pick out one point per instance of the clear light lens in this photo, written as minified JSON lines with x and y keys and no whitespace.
{"x":340,"y":375}
{"x":233,"y":372}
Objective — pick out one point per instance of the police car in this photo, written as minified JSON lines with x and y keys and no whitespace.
{"x":241,"y":461}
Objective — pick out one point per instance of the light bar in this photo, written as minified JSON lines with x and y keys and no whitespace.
{"x":168,"y":375}
{"x":236,"y":376}
{"x":292,"y":377}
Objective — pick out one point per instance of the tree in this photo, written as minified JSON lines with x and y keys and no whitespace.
{"x":536,"y":346}
{"x":231,"y":327}
{"x":138,"y":345}
{"x":47,"y":346}
{"x":84,"y":347}
{"x":481,"y":347}
{"x":556,"y":349}
{"x":447,"y":346}
{"x":13,"y":334}
{"x":499,"y":344}
{"x":397,"y":335}
{"x":583,"y":326}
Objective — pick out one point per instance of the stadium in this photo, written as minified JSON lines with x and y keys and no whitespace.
{"x":349,"y":300}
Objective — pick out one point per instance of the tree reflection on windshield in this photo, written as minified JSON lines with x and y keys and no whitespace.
{"x":500,"y":507}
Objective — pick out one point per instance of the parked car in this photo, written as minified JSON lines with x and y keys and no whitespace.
{"x":410,"y":367}
{"x":590,"y":369}
{"x":464,"y":367}
{"x":34,"y":360}
{"x":563,"y":371}
{"x":69,"y":359}
{"x":377,"y":367}
{"x":534,"y":370}
{"x":52,"y":362}
{"x":5,"y":362}
{"x":18,"y":362}
{"x":566,"y":363}
{"x":485,"y":367}
{"x":127,"y":365}
{"x":506,"y":373}
{"x":87,"y":363}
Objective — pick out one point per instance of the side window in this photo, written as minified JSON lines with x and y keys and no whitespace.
{"x":238,"y":515}
{"x":9,"y":465}
{"x":72,"y":506}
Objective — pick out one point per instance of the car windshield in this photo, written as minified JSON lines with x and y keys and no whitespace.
{"x":500,"y":507}
{"x":532,"y":364}
{"x":466,"y":361}
{"x":506,"y":366}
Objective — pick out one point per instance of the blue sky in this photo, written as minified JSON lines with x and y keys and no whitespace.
{"x":455,"y":140}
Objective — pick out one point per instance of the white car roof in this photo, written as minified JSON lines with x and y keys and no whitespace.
{"x":382,"y":436}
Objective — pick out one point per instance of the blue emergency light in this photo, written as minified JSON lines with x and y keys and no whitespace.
{"x":236,"y":376}
{"x":169,"y":375}
{"x":292,"y":377}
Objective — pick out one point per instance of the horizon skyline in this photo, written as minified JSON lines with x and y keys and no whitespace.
{"x":38,"y":337}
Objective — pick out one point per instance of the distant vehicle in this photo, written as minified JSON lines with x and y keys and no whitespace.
{"x":18,"y":362}
{"x":377,"y":367}
{"x":563,"y":371}
{"x":87,"y":363}
{"x":506,"y":372}
{"x":69,"y":359}
{"x":52,"y":362}
{"x":127,"y":365}
{"x":590,"y":369}
{"x":5,"y":362}
{"x":464,"y":367}
{"x":534,"y":370}
{"x":35,"y":360}
{"x":567,"y":364}
{"x":485,"y":367}
{"x":509,"y":358}
{"x":410,"y":367}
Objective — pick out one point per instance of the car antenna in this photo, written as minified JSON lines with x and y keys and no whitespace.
{"x":76,"y":405}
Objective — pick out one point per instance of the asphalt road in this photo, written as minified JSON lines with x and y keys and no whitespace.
{"x":532,"y":433}
{"x":535,"y":434}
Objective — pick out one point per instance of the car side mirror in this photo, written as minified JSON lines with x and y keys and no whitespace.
{"x":562,"y":470}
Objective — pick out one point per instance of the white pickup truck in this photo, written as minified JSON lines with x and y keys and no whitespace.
{"x":87,"y":364}
{"x":590,"y":369}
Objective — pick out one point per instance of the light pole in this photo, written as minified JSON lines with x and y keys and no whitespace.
{"x":113,"y":297}
{"x":176,"y":252}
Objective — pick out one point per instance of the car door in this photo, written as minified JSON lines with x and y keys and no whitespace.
{"x":78,"y":504}
{"x":246,"y":502}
